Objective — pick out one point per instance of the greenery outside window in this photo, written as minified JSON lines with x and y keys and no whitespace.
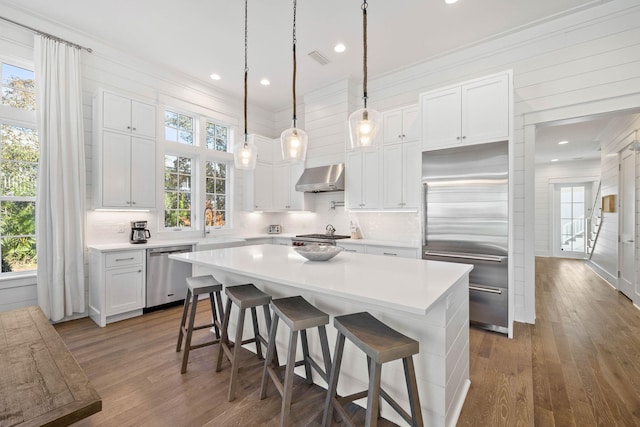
{"x":18,"y":87}
{"x":217,"y":137}
{"x":216,"y":194}
{"x":177,"y":191}
{"x":178,"y":127}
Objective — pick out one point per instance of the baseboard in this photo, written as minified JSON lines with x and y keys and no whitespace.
{"x":605,"y":275}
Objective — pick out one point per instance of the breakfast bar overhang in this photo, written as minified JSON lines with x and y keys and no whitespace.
{"x":425,"y":300}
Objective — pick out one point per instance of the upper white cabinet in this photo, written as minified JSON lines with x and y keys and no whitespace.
{"x":471,"y":113}
{"x":126,"y":115}
{"x":400,"y":125}
{"x":271,"y":186}
{"x":362,"y":180}
{"x":124,"y":159}
{"x":401,"y":175}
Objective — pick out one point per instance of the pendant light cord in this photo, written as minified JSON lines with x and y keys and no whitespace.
{"x":364,"y":52}
{"x":246,"y":72}
{"x":294,"y":63}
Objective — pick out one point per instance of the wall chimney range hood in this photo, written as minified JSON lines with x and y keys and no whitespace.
{"x":322,"y":179}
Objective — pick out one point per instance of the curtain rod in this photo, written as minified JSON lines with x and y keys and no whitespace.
{"x":42,"y":33}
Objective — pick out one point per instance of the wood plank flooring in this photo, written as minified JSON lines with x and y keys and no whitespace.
{"x":579,"y":365}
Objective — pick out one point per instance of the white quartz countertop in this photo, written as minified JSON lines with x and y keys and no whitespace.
{"x":410,"y":285}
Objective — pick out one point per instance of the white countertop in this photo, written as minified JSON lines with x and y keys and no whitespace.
{"x":410,"y":285}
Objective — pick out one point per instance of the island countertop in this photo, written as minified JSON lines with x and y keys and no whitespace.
{"x":409,"y":285}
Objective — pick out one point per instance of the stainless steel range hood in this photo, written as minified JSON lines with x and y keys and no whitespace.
{"x":322,"y":179}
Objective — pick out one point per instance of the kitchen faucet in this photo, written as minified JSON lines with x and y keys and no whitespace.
{"x":204,"y":229}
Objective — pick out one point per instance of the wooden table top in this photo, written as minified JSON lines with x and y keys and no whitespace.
{"x":41,"y":384}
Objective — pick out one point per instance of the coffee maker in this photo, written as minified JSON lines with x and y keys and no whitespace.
{"x":139,"y":232}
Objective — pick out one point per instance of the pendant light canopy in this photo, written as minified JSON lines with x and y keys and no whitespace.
{"x":294,"y":140}
{"x":363,"y":123}
{"x":245,"y":153}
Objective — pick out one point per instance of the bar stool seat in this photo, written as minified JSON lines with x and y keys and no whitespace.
{"x":381,"y":344}
{"x":299,"y":315}
{"x":197,"y":286}
{"x":244,"y":297}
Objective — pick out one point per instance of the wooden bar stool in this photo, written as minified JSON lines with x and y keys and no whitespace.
{"x":381,"y":344}
{"x":298,"y":315}
{"x":243,"y":296}
{"x":197,"y":286}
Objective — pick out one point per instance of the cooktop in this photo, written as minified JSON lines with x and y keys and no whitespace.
{"x":323,"y":236}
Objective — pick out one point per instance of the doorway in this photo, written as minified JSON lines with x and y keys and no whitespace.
{"x":569,"y":220}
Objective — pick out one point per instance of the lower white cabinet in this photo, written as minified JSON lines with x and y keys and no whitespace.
{"x":351,"y":248}
{"x":116,"y":285}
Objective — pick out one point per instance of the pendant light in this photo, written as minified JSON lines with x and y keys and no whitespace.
{"x":293,"y":140}
{"x":363,"y":123}
{"x":245,"y":153}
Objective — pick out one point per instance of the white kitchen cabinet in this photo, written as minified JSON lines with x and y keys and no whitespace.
{"x":271,"y":186}
{"x":392,"y":251}
{"x":401,"y":175}
{"x":285,"y":196}
{"x":400,"y":125}
{"x":362,"y":180}
{"x":127,"y":115}
{"x":474,"y":112}
{"x":116,"y":285}
{"x":124,"y":156}
{"x":127,"y":169}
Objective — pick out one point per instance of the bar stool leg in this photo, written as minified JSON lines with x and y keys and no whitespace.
{"x":373,"y":396}
{"x":187,"y":344}
{"x":184,"y":319}
{"x":333,"y":381}
{"x":267,"y":321}
{"x":326,"y":356}
{"x":224,"y":340}
{"x":256,"y":332}
{"x":305,"y":357}
{"x":412,"y":388}
{"x":235,"y":364}
{"x":270,"y":352}
{"x":288,"y":378}
{"x":214,"y":316}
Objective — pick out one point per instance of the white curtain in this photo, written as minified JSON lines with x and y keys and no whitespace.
{"x":60,"y":200}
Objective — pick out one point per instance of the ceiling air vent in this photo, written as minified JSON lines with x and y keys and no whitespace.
{"x":318,"y":57}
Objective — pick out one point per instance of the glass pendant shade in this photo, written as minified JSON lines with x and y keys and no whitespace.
{"x":245,"y":155}
{"x":294,"y":145}
{"x":363,"y":126}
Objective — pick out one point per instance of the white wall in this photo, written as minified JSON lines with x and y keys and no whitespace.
{"x":557,"y":172}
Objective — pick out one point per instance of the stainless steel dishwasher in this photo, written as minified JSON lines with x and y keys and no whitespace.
{"x":166,"y":278}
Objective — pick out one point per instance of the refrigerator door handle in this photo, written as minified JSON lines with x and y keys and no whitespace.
{"x":476,"y":257}
{"x":483,"y":289}
{"x":424,"y":214}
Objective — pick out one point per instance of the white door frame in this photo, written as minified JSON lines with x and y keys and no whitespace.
{"x":626,"y":282}
{"x":554,"y":220}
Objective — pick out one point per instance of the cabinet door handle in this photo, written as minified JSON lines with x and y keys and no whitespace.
{"x":134,"y":129}
{"x":458,"y":138}
{"x":129,"y":127}
{"x":464,"y":137}
{"x":400,"y":136}
{"x":389,"y":253}
{"x":124,"y":259}
{"x":349,"y":250}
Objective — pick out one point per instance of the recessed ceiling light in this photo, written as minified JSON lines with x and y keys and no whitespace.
{"x":554,"y":160}
{"x":215,"y":76}
{"x":563,"y":142}
{"x":450,"y":1}
{"x":339,"y":48}
{"x":265,"y":82}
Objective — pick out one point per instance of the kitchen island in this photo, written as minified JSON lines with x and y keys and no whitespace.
{"x":425,"y":300}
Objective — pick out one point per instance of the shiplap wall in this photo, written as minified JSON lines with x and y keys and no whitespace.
{"x":557,"y":172}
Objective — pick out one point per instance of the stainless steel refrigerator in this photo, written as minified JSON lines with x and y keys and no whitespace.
{"x":466,"y":220}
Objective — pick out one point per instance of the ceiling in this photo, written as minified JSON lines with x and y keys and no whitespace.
{"x":197,"y":37}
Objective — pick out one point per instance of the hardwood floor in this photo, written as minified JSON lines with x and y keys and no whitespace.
{"x":579,"y":365}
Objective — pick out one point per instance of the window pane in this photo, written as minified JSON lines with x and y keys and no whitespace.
{"x":18,"y":85}
{"x":578,"y":210}
{"x":170,"y":163}
{"x":217,"y":137}
{"x":578,"y":194}
{"x":565,"y":210}
{"x":184,"y":165}
{"x":17,"y":218}
{"x":170,"y":134}
{"x":19,"y":161}
{"x":210,"y":185}
{"x":171,"y":200}
{"x":18,"y":253}
{"x":220,"y":186}
{"x":221,"y":138}
{"x":177,"y":191}
{"x":170,"y":181}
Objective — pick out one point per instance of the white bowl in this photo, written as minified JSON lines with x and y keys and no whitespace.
{"x":318,"y":252}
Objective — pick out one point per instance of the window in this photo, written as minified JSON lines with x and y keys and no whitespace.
{"x":178,"y":128}
{"x":177,"y":191}
{"x":572,"y":221}
{"x":216,"y":194}
{"x":18,"y":87}
{"x":197,"y":171}
{"x":217,"y":137}
{"x":19,"y":152}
